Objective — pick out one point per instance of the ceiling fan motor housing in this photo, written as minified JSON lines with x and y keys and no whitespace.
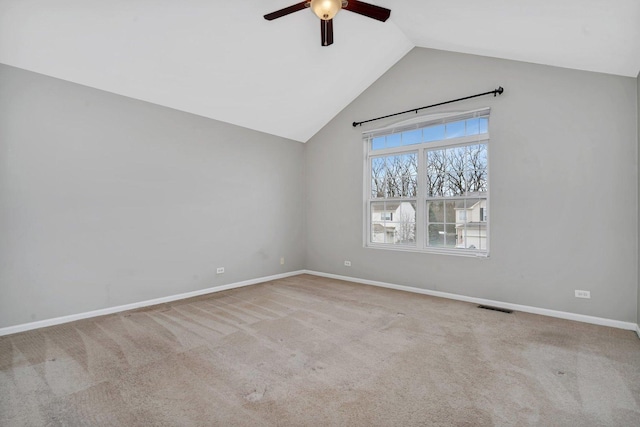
{"x":326,"y":9}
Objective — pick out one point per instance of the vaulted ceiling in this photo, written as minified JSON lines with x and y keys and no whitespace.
{"x":221,"y":59}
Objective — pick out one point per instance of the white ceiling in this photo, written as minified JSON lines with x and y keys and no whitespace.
{"x":221,"y":59}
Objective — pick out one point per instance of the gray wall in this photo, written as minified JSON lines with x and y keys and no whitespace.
{"x":105,"y":200}
{"x":638,"y":124}
{"x":563,"y":185}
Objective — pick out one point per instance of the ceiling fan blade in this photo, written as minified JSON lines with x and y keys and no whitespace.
{"x":287,"y":10}
{"x":326,"y":31}
{"x":366,"y":9}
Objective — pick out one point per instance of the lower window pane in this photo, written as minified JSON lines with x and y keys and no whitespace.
{"x":472,"y":235}
{"x":436,"y":235}
{"x":393,"y":222}
{"x":459,"y":223}
{"x":377,"y":232}
{"x":442,"y":235}
{"x":404,"y":232}
{"x":442,"y":211}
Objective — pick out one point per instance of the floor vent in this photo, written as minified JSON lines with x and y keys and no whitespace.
{"x":488,"y":307}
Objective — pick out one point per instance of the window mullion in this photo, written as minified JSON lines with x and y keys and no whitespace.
{"x":421,"y":197}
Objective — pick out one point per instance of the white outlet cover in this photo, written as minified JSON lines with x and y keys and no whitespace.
{"x":582,"y":294}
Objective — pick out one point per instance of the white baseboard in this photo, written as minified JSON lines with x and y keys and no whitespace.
{"x":524,"y":308}
{"x":109,"y":310}
{"x":516,"y":307}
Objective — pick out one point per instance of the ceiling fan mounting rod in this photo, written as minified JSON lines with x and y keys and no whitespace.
{"x":495,"y":93}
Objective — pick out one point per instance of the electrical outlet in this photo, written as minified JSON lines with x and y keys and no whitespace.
{"x":347,"y":263}
{"x":282,"y":261}
{"x":582,"y":294}
{"x":219,"y":270}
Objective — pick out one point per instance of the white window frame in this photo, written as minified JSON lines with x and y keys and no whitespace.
{"x":421,"y":198}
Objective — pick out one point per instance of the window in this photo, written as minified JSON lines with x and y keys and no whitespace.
{"x":426,"y":185}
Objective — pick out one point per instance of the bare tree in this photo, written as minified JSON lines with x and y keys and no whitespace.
{"x":394,"y":176}
{"x":456,"y":162}
{"x":436,"y":170}
{"x":378,"y":173}
{"x":477,"y":169}
{"x":450,"y":172}
{"x":406,"y":229}
{"x":457,"y":171}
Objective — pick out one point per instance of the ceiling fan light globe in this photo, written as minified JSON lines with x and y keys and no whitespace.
{"x":326,"y":9}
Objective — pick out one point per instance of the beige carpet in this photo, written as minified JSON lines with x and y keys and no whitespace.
{"x":313,"y":351}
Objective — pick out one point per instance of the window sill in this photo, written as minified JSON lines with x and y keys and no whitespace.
{"x":437,"y":251}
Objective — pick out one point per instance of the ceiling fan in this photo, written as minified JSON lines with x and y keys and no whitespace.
{"x":327,"y":9}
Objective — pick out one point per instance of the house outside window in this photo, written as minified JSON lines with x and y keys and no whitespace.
{"x":426,"y":185}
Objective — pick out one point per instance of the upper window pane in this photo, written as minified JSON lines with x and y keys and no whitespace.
{"x":394,"y":140}
{"x":455,"y":129}
{"x":378,"y":143}
{"x":473,"y":126}
{"x":394,"y":176}
{"x":484,"y":124}
{"x":434,"y":133}
{"x":412,"y":137}
{"x":456,"y":171}
{"x":378,"y":177}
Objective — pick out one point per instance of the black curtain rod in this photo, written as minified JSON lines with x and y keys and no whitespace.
{"x":495,"y":92}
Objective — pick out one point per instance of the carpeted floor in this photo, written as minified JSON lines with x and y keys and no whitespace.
{"x":313,"y":351}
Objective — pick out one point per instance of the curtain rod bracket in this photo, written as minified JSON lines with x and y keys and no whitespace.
{"x":495,"y":93}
